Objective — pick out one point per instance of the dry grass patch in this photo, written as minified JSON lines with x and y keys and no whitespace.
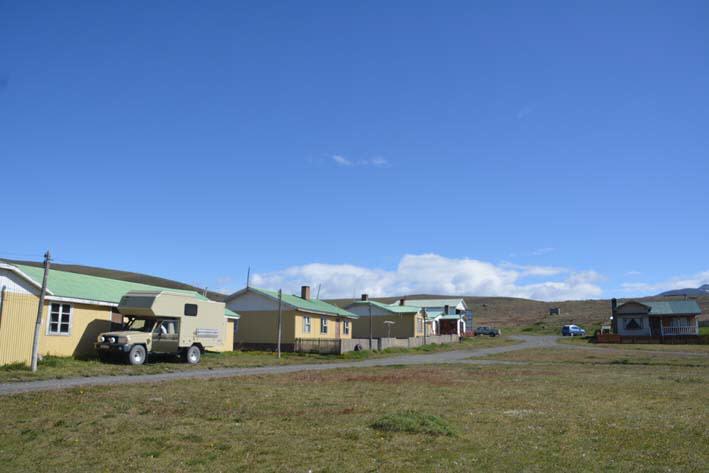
{"x":563,"y":417}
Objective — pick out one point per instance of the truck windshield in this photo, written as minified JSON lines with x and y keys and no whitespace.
{"x":140,"y":325}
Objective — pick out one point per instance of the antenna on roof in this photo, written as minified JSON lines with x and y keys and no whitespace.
{"x":248,"y":277}
{"x":318,"y":295}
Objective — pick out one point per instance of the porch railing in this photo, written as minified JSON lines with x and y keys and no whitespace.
{"x":681,"y":330}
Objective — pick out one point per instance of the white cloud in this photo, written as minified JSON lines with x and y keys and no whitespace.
{"x":341,"y":160}
{"x":431,"y":273}
{"x":677,"y":282}
{"x":377,"y":162}
{"x":542,"y":251}
{"x":525,"y":270}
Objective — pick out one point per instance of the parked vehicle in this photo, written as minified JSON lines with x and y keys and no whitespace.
{"x":164,"y":322}
{"x":572,"y":331}
{"x":489,"y":331}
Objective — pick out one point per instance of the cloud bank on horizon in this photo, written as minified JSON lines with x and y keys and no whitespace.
{"x":680,"y":282}
{"x":432,"y":273}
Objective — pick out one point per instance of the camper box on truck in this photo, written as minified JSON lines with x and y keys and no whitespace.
{"x":167,"y":323}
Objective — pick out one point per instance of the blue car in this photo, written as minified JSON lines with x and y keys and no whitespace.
{"x":572,"y":331}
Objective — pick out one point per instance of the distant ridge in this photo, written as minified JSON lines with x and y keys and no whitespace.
{"x":693,"y":292}
{"x":124,"y":276}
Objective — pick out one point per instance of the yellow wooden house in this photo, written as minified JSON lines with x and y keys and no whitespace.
{"x":78,"y":307}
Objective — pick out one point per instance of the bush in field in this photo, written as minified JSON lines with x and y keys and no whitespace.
{"x":413,"y":422}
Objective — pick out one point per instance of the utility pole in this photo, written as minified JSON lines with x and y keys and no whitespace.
{"x":248,"y":277}
{"x":424,"y":325}
{"x":40,"y":309}
{"x":371,"y":341}
{"x":280,"y":299}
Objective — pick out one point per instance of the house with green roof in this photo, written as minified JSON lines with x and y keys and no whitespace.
{"x":78,"y":307}
{"x":305,"y":322}
{"x":447,"y":316}
{"x":385,"y":320}
{"x":667,"y":318}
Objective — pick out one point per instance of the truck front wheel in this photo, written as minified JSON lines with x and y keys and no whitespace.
{"x":137,"y":355}
{"x":193,"y":354}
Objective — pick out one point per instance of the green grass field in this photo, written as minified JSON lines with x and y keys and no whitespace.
{"x":562,"y":412}
{"x":58,"y":368}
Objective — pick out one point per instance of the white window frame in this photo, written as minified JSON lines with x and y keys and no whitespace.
{"x":346,"y":327}
{"x":323,"y":325}
{"x":419,"y":325}
{"x":307,"y":326}
{"x":59,"y":333}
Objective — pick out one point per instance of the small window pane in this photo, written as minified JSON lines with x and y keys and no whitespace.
{"x":66,"y":308}
{"x":191,"y":310}
{"x":64,"y":328}
{"x":53,"y":327}
{"x":65,"y":318}
{"x":55,"y":307}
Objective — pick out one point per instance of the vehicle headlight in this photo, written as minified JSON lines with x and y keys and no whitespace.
{"x":111,"y":339}
{"x":101,"y":338}
{"x":123,"y":340}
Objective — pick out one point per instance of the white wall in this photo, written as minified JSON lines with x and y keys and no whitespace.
{"x":15,"y":283}
{"x":642,"y":332}
{"x":253,"y":302}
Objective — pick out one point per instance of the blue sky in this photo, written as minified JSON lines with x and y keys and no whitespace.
{"x":551,"y":151}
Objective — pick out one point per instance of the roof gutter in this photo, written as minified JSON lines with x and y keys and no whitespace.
{"x":331,"y":314}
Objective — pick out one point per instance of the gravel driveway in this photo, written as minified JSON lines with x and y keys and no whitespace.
{"x":462,"y":356}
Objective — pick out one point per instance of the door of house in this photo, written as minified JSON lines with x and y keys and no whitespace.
{"x":655,"y":326}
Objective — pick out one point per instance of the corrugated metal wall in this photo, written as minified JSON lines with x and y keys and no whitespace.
{"x":18,"y":313}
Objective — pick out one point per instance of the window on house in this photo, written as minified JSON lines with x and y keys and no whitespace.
{"x":323,"y":325}
{"x":346,"y":327}
{"x":59,"y":319}
{"x":306,"y":325}
{"x":191,"y":310}
{"x":633,"y":324}
{"x":419,"y":325}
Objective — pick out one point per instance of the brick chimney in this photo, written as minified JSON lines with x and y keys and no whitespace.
{"x":365,"y":297}
{"x":305,"y":292}
{"x":402,"y":301}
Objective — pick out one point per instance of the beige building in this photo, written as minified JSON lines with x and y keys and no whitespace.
{"x":302,"y":319}
{"x":77,"y":308}
{"x":387,"y":321}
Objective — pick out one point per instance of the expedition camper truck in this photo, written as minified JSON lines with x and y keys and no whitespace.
{"x":164,"y":322}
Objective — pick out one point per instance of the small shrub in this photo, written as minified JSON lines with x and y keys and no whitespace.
{"x":52,"y":361}
{"x":622,"y":361}
{"x":413,"y":422}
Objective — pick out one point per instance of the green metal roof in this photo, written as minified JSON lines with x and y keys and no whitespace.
{"x":95,"y":288}
{"x":673,"y":307}
{"x":430,"y":302}
{"x":396,"y":309}
{"x":312,"y":305}
{"x":230,"y":313}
